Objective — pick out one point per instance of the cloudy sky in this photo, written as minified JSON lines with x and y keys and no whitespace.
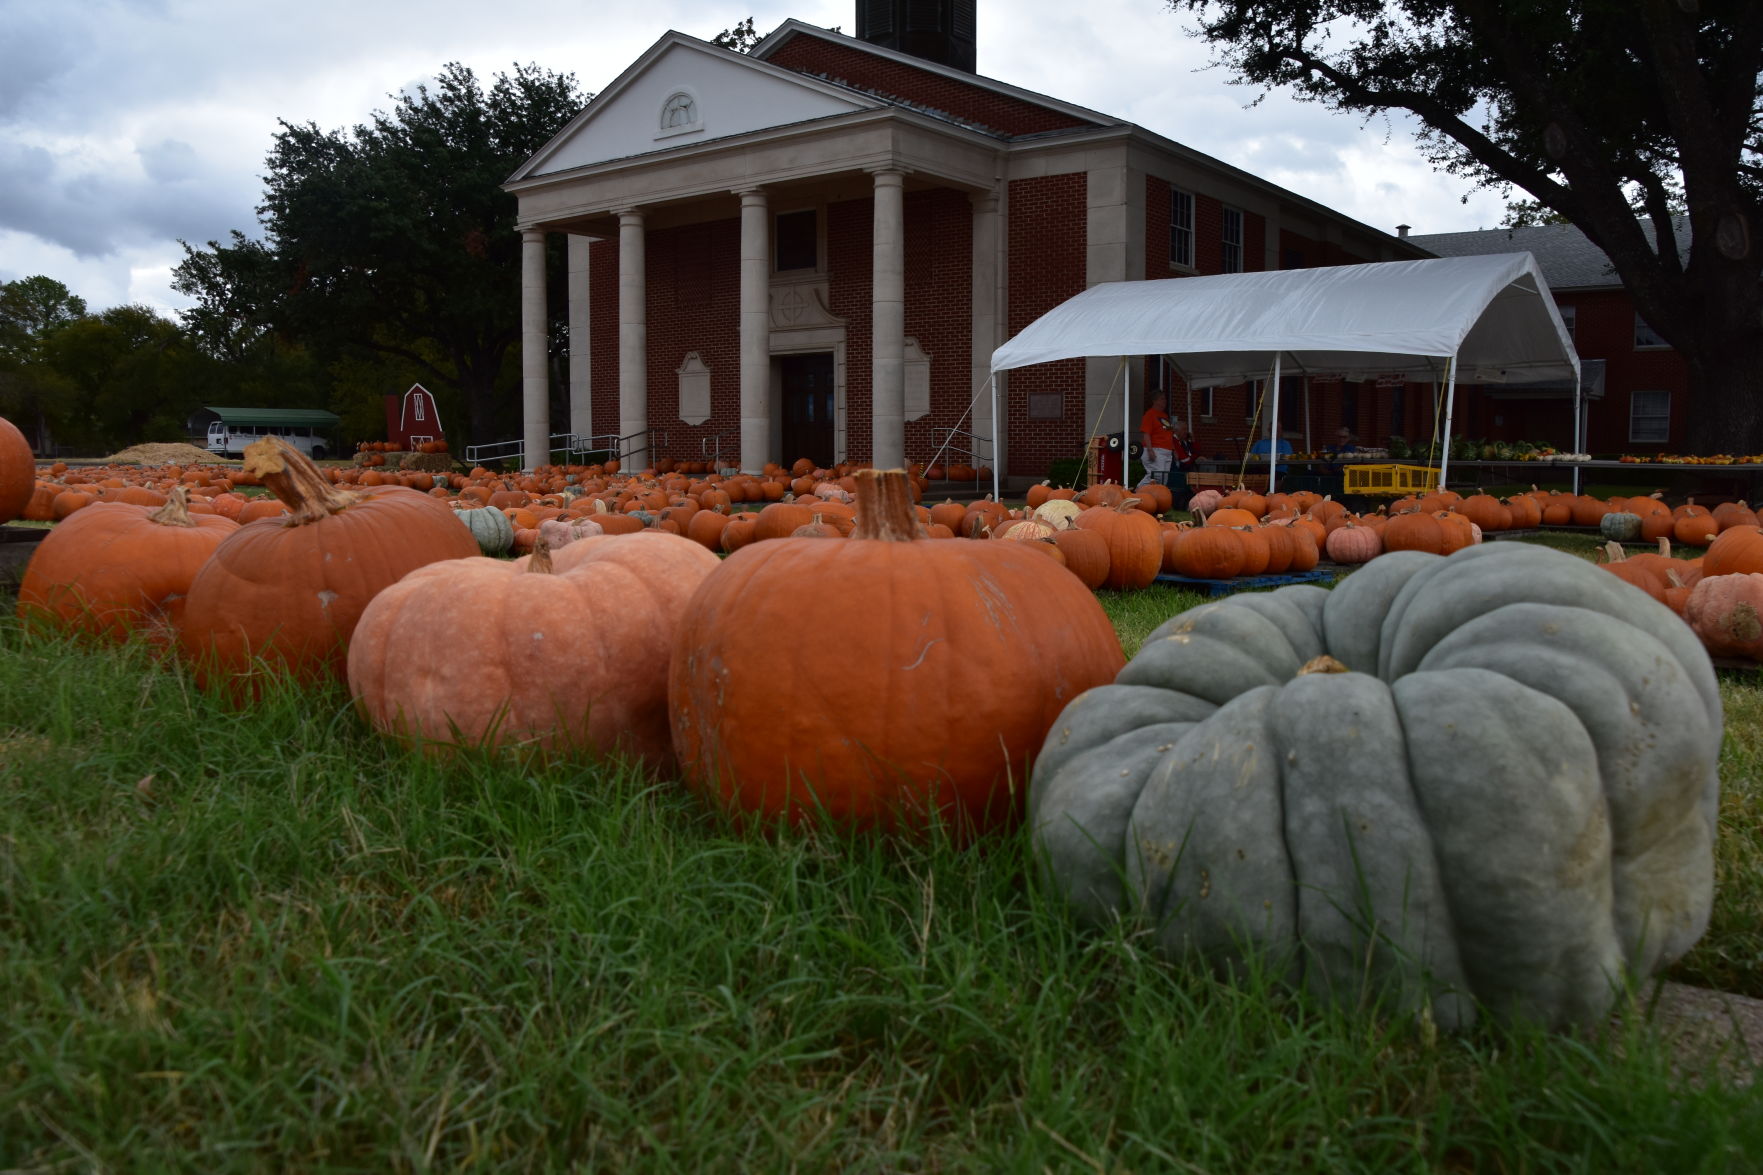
{"x":126,"y":125}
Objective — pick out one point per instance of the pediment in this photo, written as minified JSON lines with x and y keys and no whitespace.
{"x":681,"y":93}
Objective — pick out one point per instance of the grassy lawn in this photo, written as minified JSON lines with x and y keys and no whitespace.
{"x":270,"y":941}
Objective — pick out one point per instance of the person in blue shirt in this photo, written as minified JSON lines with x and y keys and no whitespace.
{"x":1263,"y":447}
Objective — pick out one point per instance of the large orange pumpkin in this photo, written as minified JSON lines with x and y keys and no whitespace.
{"x":1135,"y":543}
{"x":18,"y":471}
{"x":290,"y":590}
{"x":939,"y":672}
{"x":114,"y":568}
{"x":527,"y":653}
{"x":1737,"y":550}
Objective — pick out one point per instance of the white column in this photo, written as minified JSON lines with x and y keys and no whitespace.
{"x":581,"y":377}
{"x":633,"y":335}
{"x":755,"y":331}
{"x":985,"y":319}
{"x":888,"y":310}
{"x":535,"y":390}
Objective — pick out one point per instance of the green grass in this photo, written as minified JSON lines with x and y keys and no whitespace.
{"x":269,"y":940}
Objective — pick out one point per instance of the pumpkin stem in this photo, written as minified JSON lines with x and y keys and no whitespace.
{"x":1613,"y":552}
{"x":292,"y":477}
{"x":176,"y":511}
{"x":1323,"y":664}
{"x":884,"y":506}
{"x":541,"y":558}
{"x":1664,"y":547}
{"x":1127,"y":505}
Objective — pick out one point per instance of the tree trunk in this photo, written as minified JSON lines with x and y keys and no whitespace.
{"x":1726,"y":394}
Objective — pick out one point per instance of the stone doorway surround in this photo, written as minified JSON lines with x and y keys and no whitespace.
{"x":801,"y":323}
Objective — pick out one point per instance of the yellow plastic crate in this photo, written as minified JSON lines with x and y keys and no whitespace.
{"x":1391,"y":481}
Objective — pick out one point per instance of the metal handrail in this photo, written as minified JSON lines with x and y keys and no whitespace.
{"x":607,"y":442}
{"x":947,"y":446}
{"x":570,"y":443}
{"x":496,"y":451}
{"x":655,"y":440}
{"x":711,"y":446}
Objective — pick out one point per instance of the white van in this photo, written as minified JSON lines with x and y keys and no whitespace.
{"x":230,"y":441}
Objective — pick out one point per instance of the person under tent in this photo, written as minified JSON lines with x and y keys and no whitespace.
{"x":1264,"y":448}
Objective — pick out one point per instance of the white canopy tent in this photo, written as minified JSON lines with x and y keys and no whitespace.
{"x":1487,"y":320}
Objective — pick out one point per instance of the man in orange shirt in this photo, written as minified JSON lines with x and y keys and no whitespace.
{"x":1157,"y":436}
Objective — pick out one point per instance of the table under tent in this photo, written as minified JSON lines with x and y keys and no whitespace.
{"x":1476,"y":320}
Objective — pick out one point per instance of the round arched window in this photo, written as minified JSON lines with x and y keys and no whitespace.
{"x":678,"y":112}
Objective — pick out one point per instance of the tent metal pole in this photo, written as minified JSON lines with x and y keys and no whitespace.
{"x":1309,"y":442}
{"x":1273,"y":429}
{"x":1450,"y":401}
{"x":1578,"y":430}
{"x":995,"y":473}
{"x":1189,"y":418}
{"x":1126,"y":416}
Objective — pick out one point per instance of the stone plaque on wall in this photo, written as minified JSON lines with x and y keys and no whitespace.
{"x":1046,"y":406}
{"x":694,"y":390}
{"x":917,"y":381}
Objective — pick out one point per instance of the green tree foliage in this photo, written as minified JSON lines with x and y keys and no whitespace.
{"x":392,"y":239}
{"x":741,"y":38}
{"x":32,"y":309}
{"x":1601,"y":111}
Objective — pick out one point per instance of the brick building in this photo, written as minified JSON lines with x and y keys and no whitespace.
{"x":1638,"y":390}
{"x":813,"y":249}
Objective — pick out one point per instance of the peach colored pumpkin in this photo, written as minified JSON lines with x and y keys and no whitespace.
{"x":532,"y":654}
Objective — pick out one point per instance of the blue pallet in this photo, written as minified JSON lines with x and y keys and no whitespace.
{"x":1223,"y":587}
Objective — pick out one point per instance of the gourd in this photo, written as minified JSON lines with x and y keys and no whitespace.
{"x":281,"y":596}
{"x":1486,"y":781}
{"x":528,"y":652}
{"x":112,"y":569}
{"x":916,"y":723}
{"x":489,"y":528}
{"x":1135,"y":543}
{"x":1726,"y":612}
{"x":18,"y":471}
{"x":1619,"y":526}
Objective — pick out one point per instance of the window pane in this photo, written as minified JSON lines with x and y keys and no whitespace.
{"x":1646,"y":336}
{"x":1233,"y":241}
{"x":1181,"y":228}
{"x":1649,"y":417}
{"x":796,"y":245}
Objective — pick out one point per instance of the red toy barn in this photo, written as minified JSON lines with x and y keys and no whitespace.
{"x":413,"y":418}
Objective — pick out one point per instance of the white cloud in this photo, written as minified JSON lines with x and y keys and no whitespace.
{"x":127,"y":123}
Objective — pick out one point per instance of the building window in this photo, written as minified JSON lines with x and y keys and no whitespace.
{"x":1181,"y":228}
{"x":1203,"y":405}
{"x":1646,"y":338}
{"x":679,"y":114}
{"x":1233,"y":241}
{"x":416,"y":408}
{"x":679,"y":111}
{"x":797,"y":244}
{"x":1649,"y":418}
{"x":1569,"y":319}
{"x":1350,"y":407}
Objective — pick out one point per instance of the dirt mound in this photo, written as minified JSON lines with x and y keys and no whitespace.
{"x":167,"y":453}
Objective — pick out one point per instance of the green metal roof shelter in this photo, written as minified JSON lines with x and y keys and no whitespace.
{"x":265,"y":417}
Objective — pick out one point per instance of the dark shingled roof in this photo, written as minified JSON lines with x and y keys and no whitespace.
{"x":1567,"y":258}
